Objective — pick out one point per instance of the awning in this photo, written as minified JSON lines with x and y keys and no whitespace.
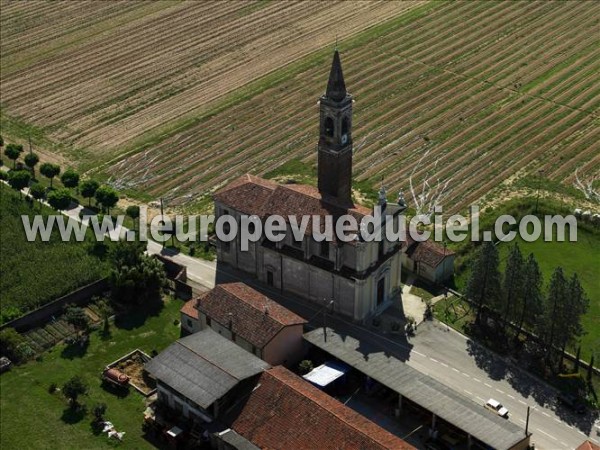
{"x":326,"y":373}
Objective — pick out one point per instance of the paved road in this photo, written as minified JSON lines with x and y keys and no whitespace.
{"x":439,"y":352}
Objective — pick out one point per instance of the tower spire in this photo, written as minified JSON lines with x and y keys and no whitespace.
{"x":336,"y":87}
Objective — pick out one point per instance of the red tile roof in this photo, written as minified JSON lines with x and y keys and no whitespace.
{"x":254,"y":316}
{"x":286,"y":412}
{"x":246,"y":194}
{"x":428,"y":252}
{"x":189,"y":309}
{"x":253,"y":195}
{"x":588,"y":445}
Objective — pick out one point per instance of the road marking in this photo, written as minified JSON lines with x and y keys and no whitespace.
{"x":510,"y":396}
{"x":456,"y":370}
{"x":488,"y":385}
{"x":558,"y":420}
{"x":477,"y":379}
{"x":466,"y":375}
{"x":498,"y":390}
{"x":434,"y":360}
{"x":480,"y":399}
{"x":417,"y":353}
{"x":521,"y":420}
{"x":565,"y":444}
{"x":467,"y":392}
{"x":549,"y":435}
{"x":522,"y":402}
{"x":444,"y":364}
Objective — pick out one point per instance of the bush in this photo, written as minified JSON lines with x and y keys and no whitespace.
{"x":10,"y":341}
{"x":98,"y":411}
{"x":52,"y":388}
{"x":37,"y":191}
{"x":19,"y":179}
{"x":305,"y":366}
{"x":3,"y":175}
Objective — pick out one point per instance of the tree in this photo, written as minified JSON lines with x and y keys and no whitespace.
{"x":135,"y":277}
{"x":553,"y":331}
{"x":483,"y":286}
{"x":133,"y":211}
{"x":530,"y":303}
{"x":73,"y":389}
{"x":60,"y":199}
{"x":107,"y":197}
{"x":19,"y":180}
{"x":37,"y":191}
{"x":31,"y":159}
{"x":50,"y":171}
{"x":513,"y":283}
{"x":13,"y":151}
{"x":70,"y":179}
{"x":88,"y":189}
{"x":575,"y":308}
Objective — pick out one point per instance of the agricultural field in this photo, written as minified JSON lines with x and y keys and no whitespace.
{"x":34,"y":273}
{"x":470,"y":92}
{"x":92,"y":77}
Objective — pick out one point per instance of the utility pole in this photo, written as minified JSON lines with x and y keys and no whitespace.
{"x":537,"y":192}
{"x":527,"y":423}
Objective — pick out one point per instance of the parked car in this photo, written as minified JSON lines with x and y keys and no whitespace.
{"x":572,"y":402}
{"x":494,"y":405}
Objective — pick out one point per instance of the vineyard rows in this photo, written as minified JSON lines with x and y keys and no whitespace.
{"x":97,"y":75}
{"x":487,"y":88}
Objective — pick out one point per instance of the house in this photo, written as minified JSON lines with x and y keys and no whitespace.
{"x":200,"y":376}
{"x":286,"y":412}
{"x":250,"y":319}
{"x":428,"y":260}
{"x":359,"y":278}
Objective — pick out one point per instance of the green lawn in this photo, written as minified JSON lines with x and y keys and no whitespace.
{"x":33,"y":418}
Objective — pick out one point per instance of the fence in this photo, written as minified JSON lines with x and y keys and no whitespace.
{"x":40,"y":316}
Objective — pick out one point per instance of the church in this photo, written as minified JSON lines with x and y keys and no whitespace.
{"x":356,"y":279}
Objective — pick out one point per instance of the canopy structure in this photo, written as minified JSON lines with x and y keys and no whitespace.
{"x":326,"y":373}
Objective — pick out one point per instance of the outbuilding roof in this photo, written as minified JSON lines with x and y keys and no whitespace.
{"x":425,"y":391}
{"x":204,"y":367}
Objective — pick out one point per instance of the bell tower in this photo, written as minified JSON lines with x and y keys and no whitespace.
{"x":335,"y":137}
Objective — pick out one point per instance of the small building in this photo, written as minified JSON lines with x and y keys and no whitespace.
{"x":250,"y":319}
{"x":428,"y":260}
{"x":201,"y":375}
{"x":286,"y":412}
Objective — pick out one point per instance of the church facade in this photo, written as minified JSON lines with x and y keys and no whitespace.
{"x":356,"y":279}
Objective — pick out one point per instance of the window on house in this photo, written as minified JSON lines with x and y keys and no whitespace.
{"x":295,"y":243}
{"x":381,"y":248}
{"x":325,"y":249}
{"x":269,"y":278}
{"x":189,"y":323}
{"x":208,"y":321}
{"x":345,"y":126}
